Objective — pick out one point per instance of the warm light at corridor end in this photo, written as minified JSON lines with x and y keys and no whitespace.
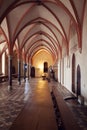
{"x":40,"y":66}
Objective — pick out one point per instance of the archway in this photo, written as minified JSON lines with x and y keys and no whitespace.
{"x":78,"y":81}
{"x":33,"y":72}
{"x":45,"y":67}
{"x":73,"y":73}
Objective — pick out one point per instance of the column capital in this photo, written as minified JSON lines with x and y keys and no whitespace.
{"x":10,"y":57}
{"x":19,"y":55}
{"x":19,"y":60}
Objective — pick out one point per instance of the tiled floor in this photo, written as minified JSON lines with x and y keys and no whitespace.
{"x":11,"y":103}
{"x":80,"y":114}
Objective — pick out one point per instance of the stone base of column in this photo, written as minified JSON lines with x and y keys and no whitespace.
{"x":9,"y":88}
{"x":19,"y":83}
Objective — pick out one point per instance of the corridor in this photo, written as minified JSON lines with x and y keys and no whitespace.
{"x":29,"y":106}
{"x":43,"y":39}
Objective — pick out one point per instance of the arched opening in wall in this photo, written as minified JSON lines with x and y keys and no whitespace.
{"x":78,"y":81}
{"x":6,"y":67}
{"x":45,"y":67}
{"x":3,"y":63}
{"x":32,"y":72}
{"x":73,"y":73}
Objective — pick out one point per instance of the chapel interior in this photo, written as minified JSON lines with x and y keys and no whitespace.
{"x":43,"y":65}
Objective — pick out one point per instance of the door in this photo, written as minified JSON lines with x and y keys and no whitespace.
{"x":78,"y":81}
{"x":73,"y":73}
{"x":45,"y":67}
{"x":32,"y":71}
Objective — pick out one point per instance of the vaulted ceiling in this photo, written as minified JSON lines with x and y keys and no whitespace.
{"x":32,"y":25}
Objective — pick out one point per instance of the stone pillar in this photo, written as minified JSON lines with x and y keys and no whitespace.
{"x":24,"y":72}
{"x":28,"y":70}
{"x":19,"y":71}
{"x":10,"y":72}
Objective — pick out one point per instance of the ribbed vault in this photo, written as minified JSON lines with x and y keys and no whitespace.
{"x":31,"y":25}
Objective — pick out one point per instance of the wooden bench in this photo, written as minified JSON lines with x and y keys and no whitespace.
{"x":67,"y":117}
{"x":3,"y":78}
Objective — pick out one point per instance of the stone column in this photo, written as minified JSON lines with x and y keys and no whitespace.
{"x":24,"y":72}
{"x":10,"y":72}
{"x":28,"y":70}
{"x":19,"y":71}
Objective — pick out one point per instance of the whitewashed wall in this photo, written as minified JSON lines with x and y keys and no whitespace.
{"x":67,"y":74}
{"x":80,"y":59}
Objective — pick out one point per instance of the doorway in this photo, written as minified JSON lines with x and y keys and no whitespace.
{"x":73,"y":73}
{"x":78,"y":81}
{"x":45,"y":67}
{"x":33,"y":72}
